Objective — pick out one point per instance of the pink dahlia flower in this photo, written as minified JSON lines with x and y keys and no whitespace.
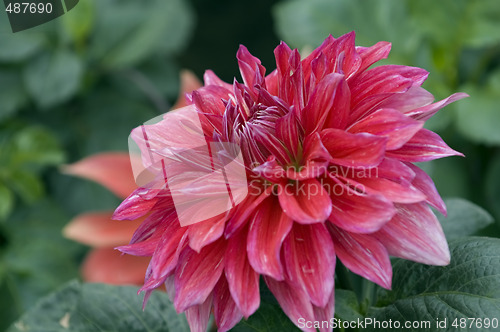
{"x":328,"y":145}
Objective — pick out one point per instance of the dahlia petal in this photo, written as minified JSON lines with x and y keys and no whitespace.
{"x":386,"y":78}
{"x":251,"y":69}
{"x":167,"y":251}
{"x":244,"y":210}
{"x":287,"y":130}
{"x":294,"y":301}
{"x":197,"y":273}
{"x":414,"y":233}
{"x":358,"y":212}
{"x":305,"y":201}
{"x":199,"y":315}
{"x":110,"y":169}
{"x":96,"y":229}
{"x":243,"y":281}
{"x":140,"y":202}
{"x":226,"y":312}
{"x":424,"y":183}
{"x":394,"y":170}
{"x":270,"y":142}
{"x":389,"y":123}
{"x":426,"y":112}
{"x":208,"y":99}
{"x":398,"y":192}
{"x":267,"y":232}
{"x":325,"y":314}
{"x":272,"y":83}
{"x":316,"y":159}
{"x":408,"y":101}
{"x":271,"y":170}
{"x":310,"y":261}
{"x":372,"y":54}
{"x":321,"y":102}
{"x":206,"y":232}
{"x":425,"y":145}
{"x":109,"y":266}
{"x":347,"y":149}
{"x":210,"y":78}
{"x":363,"y":255}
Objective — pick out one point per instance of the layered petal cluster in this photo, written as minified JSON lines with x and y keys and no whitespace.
{"x":96,"y":229}
{"x":328,"y":143}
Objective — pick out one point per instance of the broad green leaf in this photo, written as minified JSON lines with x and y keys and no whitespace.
{"x":6,"y":201}
{"x":308,"y":23}
{"x":98,"y":307}
{"x":78,"y":22}
{"x":53,"y":78}
{"x":464,"y":218}
{"x":17,"y":47}
{"x":132,"y":31}
{"x":12,"y":93}
{"x":26,"y":184}
{"x":478,"y":116}
{"x":467,"y":287}
{"x":35,"y":145}
{"x":269,"y":317}
{"x":38,"y":259}
{"x":346,"y":305}
{"x":492,"y":187}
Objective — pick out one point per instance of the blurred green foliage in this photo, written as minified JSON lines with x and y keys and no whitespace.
{"x":77,"y":85}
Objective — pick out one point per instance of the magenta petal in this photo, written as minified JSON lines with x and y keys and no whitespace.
{"x":287,"y":130}
{"x":347,"y":149}
{"x":321,"y":102}
{"x":244,"y":210}
{"x":424,"y":183}
{"x":370,"y":55}
{"x":356,"y":211}
{"x":197,"y":274}
{"x":294,"y":301}
{"x":167,"y":251}
{"x":310,"y":261}
{"x":389,"y":123}
{"x":243,"y":281}
{"x":199,"y":315}
{"x":209,"y":78}
{"x":398,"y":192}
{"x":426,"y":112}
{"x":424,"y":146}
{"x":226,"y":312}
{"x":325,"y":314}
{"x":206,"y":232}
{"x":267,"y":232}
{"x":408,"y":101}
{"x":363,"y":255}
{"x":415,"y":234}
{"x":305,"y":201}
{"x":140,"y":202}
{"x":250,"y":68}
{"x":208,"y":99}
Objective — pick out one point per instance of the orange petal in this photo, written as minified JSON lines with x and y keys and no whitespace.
{"x":189,"y":83}
{"x":110,"y":169}
{"x":96,"y":229}
{"x":109,"y":266}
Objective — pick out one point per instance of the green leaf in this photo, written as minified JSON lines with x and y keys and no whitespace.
{"x":12,"y":94}
{"x":99,"y":307}
{"x":492,"y":187}
{"x":269,"y":317}
{"x":464,"y":218}
{"x":308,"y":23}
{"x":35,"y":145}
{"x":466,"y":288}
{"x":477,"y":116}
{"x":27,"y":185}
{"x":19,"y":46}
{"x":53,"y":78}
{"x":130,"y":32}
{"x":6,"y":201}
{"x":346,"y":305}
